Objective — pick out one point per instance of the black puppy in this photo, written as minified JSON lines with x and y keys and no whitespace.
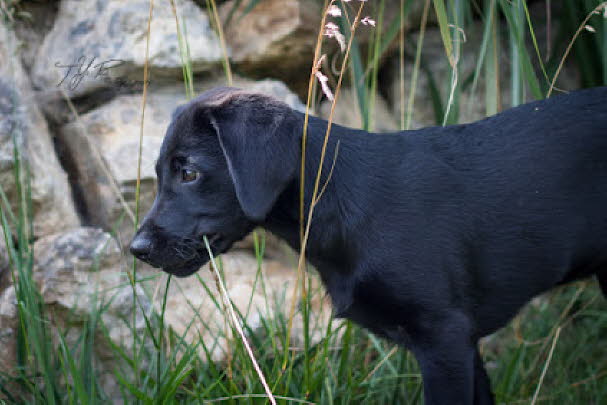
{"x":432,"y":238}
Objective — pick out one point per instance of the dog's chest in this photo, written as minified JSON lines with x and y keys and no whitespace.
{"x":368,"y":305}
{"x":377,"y":320}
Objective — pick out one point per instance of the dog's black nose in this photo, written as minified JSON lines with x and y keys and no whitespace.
{"x":141,"y":246}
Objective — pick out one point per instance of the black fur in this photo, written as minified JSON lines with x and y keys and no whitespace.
{"x":432,"y":238}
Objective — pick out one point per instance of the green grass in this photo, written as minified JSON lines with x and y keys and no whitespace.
{"x":348,"y":365}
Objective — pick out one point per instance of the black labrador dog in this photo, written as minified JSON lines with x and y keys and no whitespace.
{"x":432,"y":238}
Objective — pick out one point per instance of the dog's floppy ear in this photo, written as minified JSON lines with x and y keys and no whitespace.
{"x":260,"y":139}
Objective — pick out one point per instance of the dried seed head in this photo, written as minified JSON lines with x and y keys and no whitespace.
{"x":334,"y":11}
{"x":368,"y":20}
{"x":320,"y":61}
{"x":322,"y":79}
{"x":332,"y":31}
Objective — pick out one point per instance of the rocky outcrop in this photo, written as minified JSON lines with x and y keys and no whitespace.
{"x":22,"y":125}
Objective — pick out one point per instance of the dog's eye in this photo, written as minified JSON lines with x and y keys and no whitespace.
{"x":188,"y":175}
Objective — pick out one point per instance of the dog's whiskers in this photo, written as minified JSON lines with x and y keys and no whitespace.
{"x":185,"y":249}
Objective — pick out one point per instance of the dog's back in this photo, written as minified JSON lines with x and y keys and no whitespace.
{"x":517,"y":201}
{"x":533,"y":194}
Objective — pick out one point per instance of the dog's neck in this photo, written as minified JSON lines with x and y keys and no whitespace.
{"x":326,"y":246}
{"x":340,"y":233}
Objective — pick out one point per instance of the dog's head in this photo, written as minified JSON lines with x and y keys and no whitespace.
{"x":226,"y":157}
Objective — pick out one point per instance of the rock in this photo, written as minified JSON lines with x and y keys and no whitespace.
{"x":9,"y":324}
{"x":103,"y":146}
{"x":348,"y":114}
{"x":276,"y":38}
{"x":8,"y":330}
{"x":105,"y":40}
{"x":67,"y":265}
{"x":80,"y":271}
{"x":191,"y":313}
{"x":84,"y":267}
{"x":34,"y":23}
{"x":21,"y":120}
{"x":4,"y":265}
{"x":275,"y":89}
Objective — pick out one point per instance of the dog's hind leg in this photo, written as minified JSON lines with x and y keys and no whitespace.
{"x":602,"y":277}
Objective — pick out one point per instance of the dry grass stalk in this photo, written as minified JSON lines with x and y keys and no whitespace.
{"x":597,"y":10}
{"x":236,"y":323}
{"x":314,"y":199}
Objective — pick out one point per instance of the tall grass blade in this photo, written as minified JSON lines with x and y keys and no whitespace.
{"x":522,"y":71}
{"x":443,"y":24}
{"x":416,"y":66}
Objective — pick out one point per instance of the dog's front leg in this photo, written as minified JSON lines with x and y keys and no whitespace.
{"x":482,"y":384}
{"x":446,"y":354}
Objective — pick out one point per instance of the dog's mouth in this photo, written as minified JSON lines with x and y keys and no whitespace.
{"x":218,"y":244}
